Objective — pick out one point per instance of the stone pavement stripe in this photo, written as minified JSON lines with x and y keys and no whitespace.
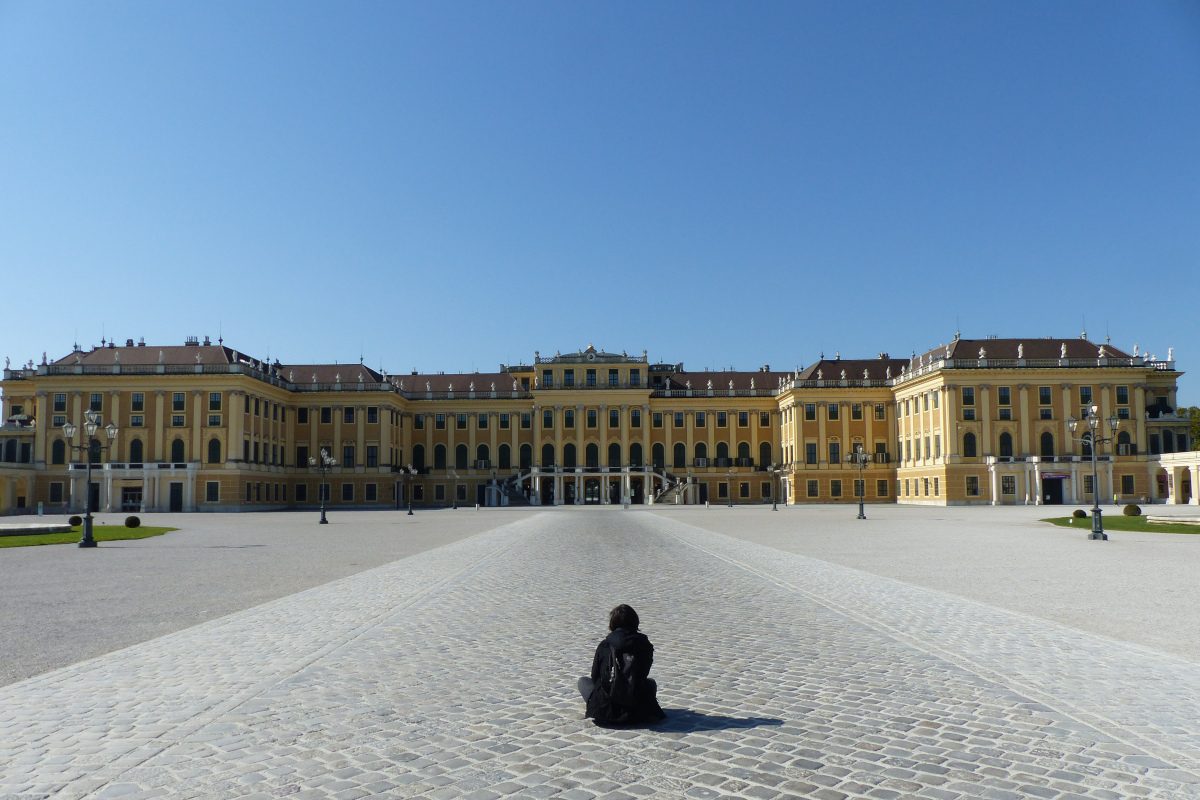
{"x":462,"y":683}
{"x":997,"y":649}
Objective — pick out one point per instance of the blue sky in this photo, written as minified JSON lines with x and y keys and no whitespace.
{"x":455,"y":185}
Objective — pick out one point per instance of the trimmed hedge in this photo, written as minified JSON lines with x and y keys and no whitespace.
{"x":132,"y":522}
{"x":75,"y":521}
{"x":1079,"y":513}
{"x":1133,"y":510}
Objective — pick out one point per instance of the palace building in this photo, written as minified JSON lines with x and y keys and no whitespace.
{"x":201,"y":426}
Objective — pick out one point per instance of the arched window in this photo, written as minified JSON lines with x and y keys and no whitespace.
{"x":135,"y":452}
{"x":569,"y":456}
{"x":460,"y":457}
{"x":505,"y":456}
{"x":614,"y":455}
{"x":526,"y":456}
{"x":418,"y":458}
{"x":1086,"y":444}
{"x":744,"y":450}
{"x":680,"y":454}
{"x":591,"y":454}
{"x":1125,"y":444}
{"x":969,"y":450}
{"x":1006,"y":450}
{"x":58,"y":452}
{"x":178,"y":456}
{"x":635,"y":455}
{"x":439,"y":456}
{"x":1047,"y":444}
{"x":722,"y":450}
{"x":483,"y":453}
{"x":764,"y":454}
{"x":10,"y":450}
{"x":658,"y":455}
{"x":214,"y":451}
{"x":702,"y":450}
{"x":547,"y":455}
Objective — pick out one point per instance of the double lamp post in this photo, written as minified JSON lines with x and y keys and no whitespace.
{"x":323,"y":464}
{"x":89,"y":447}
{"x":1092,"y":420}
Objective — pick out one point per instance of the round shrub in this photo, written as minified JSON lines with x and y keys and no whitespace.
{"x":132,"y":522}
{"x":75,"y":520}
{"x":1079,"y":513}
{"x":1133,"y":510}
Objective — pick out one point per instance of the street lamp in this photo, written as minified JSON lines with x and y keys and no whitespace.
{"x":323,"y":464}
{"x":729,"y":486}
{"x":774,"y":470}
{"x":1093,"y":422}
{"x":860,"y":459}
{"x":409,"y":472}
{"x":454,"y":490}
{"x":90,"y":445}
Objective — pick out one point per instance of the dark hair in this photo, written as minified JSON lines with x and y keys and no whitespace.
{"x":623,"y":616}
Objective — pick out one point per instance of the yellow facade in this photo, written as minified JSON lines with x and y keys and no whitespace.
{"x":205,"y":427}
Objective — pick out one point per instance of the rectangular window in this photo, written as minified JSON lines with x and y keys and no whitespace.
{"x":968,"y":395}
{"x":1127,"y":484}
{"x":439,"y":422}
{"x":214,"y":401}
{"x":835,"y":488}
{"x":810,"y":412}
{"x":592,"y":420}
{"x":1087,"y":484}
{"x":701,"y":419}
{"x":348,"y":455}
{"x":326,"y":415}
{"x":137,"y":421}
{"x":880,"y":412}
{"x":1122,"y":395}
{"x":56,"y":492}
{"x":347,"y":492}
{"x":301,"y":492}
{"x":860,"y":487}
{"x":526,"y":420}
{"x":302,"y":456}
{"x":249,"y":492}
{"x":1045,"y":413}
{"x":177,"y":420}
{"x":372,"y":415}
{"x":1005,"y":413}
{"x":937,"y":446}
{"x":590,"y":378}
{"x":635,"y":377}
{"x":214,"y":420}
{"x":302,"y":415}
{"x":906,"y":487}
{"x":723,"y":490}
{"x":1123,"y":412}
{"x":1008,"y":484}
{"x":743,"y":419}
{"x":58,"y":420}
{"x":856,"y":411}
{"x":1004,"y":395}
{"x":460,"y":491}
{"x":60,"y":401}
{"x":764,"y":489}
{"x":764,"y":419}
{"x":178,"y":402}
{"x":481,"y":421}
{"x":212,"y":491}
{"x":656,"y":419}
{"x":810,"y":452}
{"x":568,"y":418}
{"x":568,"y":377}
{"x":722,"y":419}
{"x":418,"y":422}
{"x":1044,"y":395}
{"x":504,"y":421}
{"x":968,"y":413}
{"x":926,"y":482}
{"x":372,"y":455}
{"x":925,"y":401}
{"x":635,"y":418}
{"x":1085,"y":395}
{"x":371,"y":493}
{"x":744,"y":490}
{"x":678,"y":419}
{"x":935,"y":398}
{"x":547,"y":419}
{"x":547,"y":379}
{"x":936,"y":484}
{"x":348,"y":415}
{"x":881,"y":488}
{"x":813,"y":488}
{"x":97,"y":402}
{"x":614,"y":378}
{"x":835,"y":453}
{"x":614,"y":418}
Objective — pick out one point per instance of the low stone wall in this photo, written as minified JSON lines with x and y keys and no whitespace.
{"x":25,"y":529}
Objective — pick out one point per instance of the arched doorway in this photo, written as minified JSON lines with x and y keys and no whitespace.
{"x":568,"y":456}
{"x":547,"y":456}
{"x":658,"y":455}
{"x":635,"y":455}
{"x":592,"y":456}
{"x":526,"y":456}
{"x":614,"y":456}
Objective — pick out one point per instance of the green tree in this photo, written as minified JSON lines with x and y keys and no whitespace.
{"x":1193,"y":414}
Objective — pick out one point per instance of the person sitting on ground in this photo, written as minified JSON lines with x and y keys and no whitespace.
{"x":620,"y":691}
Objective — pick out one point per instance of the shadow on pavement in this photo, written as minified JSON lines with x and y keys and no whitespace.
{"x":686,"y":720}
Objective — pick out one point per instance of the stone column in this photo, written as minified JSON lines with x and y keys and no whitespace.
{"x":43,"y":429}
{"x":237,"y":422}
{"x":198,"y":421}
{"x":159,"y":433}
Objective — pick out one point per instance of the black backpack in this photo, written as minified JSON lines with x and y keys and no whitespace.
{"x":621,"y":683}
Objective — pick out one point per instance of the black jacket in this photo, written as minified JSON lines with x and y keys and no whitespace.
{"x":645,"y":707}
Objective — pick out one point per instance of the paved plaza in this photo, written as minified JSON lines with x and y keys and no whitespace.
{"x":923,"y":653}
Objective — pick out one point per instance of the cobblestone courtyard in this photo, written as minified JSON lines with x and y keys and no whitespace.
{"x":449,"y":673}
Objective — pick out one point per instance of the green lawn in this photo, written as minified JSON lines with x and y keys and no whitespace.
{"x":1120,"y":522}
{"x":102,"y":533}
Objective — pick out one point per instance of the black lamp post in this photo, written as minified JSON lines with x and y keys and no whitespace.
{"x":90,"y":445}
{"x":409,"y":472}
{"x":860,"y":459}
{"x":324,"y":463}
{"x":774,"y":470}
{"x":1093,"y":422}
{"x":729,"y":486}
{"x":454,"y":491}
